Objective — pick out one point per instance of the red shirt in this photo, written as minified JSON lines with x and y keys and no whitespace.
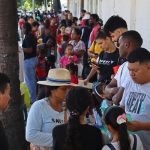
{"x":41,"y":70}
{"x":74,"y":79}
{"x":21,"y":22}
{"x":53,"y":30}
{"x":59,"y":40}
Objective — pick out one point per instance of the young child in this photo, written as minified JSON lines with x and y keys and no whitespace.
{"x":65,"y":41}
{"x":41,"y":69}
{"x":68,"y":57}
{"x":116,"y":122}
{"x":76,"y":134}
{"x":73,"y":69}
{"x":59,"y":38}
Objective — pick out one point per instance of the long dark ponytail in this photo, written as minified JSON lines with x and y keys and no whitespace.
{"x":77,"y":101}
{"x":111,"y":118}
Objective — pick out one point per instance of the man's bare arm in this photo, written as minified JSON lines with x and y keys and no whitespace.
{"x":137,"y":126}
{"x":111,"y":89}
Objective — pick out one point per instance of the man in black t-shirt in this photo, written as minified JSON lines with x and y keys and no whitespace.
{"x":106,"y":60}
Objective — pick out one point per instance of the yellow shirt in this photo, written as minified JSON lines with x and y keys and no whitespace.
{"x":95,"y":48}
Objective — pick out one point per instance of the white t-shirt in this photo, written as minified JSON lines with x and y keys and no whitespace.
{"x":116,"y":144}
{"x":122,"y":75}
{"x":136,"y":99}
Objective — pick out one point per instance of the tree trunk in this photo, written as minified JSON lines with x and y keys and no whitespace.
{"x":13,"y":118}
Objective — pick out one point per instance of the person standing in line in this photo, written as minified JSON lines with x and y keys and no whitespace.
{"x":48,"y":112}
{"x":30,"y":60}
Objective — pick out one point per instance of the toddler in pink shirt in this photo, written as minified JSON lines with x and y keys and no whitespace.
{"x":68,"y":57}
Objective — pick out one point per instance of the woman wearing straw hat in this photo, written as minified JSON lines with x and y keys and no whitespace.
{"x":45,"y":114}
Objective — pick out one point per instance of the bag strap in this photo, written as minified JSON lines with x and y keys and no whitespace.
{"x":111,"y":146}
{"x":135,"y":142}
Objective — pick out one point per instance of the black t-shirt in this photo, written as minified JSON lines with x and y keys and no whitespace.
{"x":106,"y":62}
{"x":30,"y":41}
{"x":90,"y":137}
{"x":3,"y":140}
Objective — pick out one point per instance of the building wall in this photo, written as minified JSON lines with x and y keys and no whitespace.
{"x":143,"y":21}
{"x":75,"y":7}
{"x":135,"y":12}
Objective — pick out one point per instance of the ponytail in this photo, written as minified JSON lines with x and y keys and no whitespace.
{"x":124,"y":141}
{"x":73,"y":141}
{"x":78,"y":100}
{"x":116,"y":118}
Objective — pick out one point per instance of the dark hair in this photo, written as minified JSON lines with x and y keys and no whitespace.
{"x":65,"y":37}
{"x":110,"y":117}
{"x":45,"y":91}
{"x":80,"y":18}
{"x":42,"y":48}
{"x":140,"y":55}
{"x":113,"y":23}
{"x":62,"y":25}
{"x":134,"y":37}
{"x":69,"y":45}
{"x":83,"y":11}
{"x":72,"y":68}
{"x":4,"y":80}
{"x":77,"y":31}
{"x":47,"y":23}
{"x":63,"y":22}
{"x":69,"y":23}
{"x":101,"y":35}
{"x":49,"y":89}
{"x":75,"y":19}
{"x":35,"y":23}
{"x":99,"y":90}
{"x":86,"y":22}
{"x":95,"y":16}
{"x":97,"y":99}
{"x":100,"y":21}
{"x":27,"y":27}
{"x":30,"y":17}
{"x":77,"y":101}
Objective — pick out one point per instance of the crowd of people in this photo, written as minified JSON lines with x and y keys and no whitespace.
{"x":59,"y":51}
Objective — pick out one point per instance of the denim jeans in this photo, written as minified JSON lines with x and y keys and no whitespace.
{"x":30,"y":77}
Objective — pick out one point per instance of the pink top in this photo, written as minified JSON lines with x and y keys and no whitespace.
{"x":65,"y":60}
{"x":94,"y":33}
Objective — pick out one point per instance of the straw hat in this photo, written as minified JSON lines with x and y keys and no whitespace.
{"x":58,"y":77}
